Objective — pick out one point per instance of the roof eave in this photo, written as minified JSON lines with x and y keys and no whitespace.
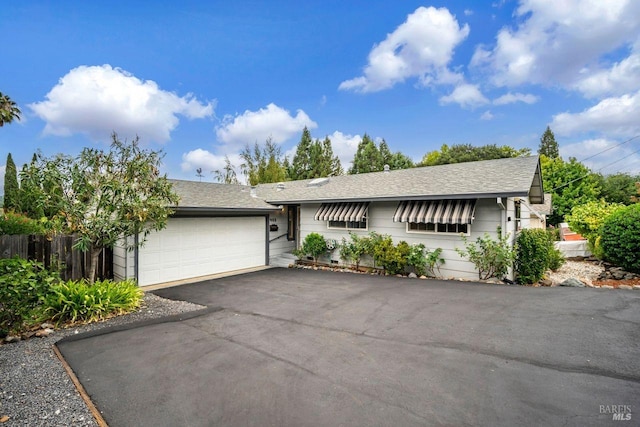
{"x":198,"y":210}
{"x":522,"y":193}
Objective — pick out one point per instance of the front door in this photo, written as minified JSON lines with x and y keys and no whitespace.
{"x":293,"y":215}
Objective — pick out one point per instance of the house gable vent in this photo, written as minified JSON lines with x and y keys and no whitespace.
{"x":280,"y":186}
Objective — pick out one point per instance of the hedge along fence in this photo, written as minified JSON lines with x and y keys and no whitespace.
{"x":56,"y":253}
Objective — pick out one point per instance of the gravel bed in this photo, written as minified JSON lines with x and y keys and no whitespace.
{"x":35,"y":390}
{"x":586,"y":272}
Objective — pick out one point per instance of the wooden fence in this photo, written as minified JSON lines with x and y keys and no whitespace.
{"x":56,"y":253}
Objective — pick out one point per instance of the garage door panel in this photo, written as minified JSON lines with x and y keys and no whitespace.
{"x":193,"y":247}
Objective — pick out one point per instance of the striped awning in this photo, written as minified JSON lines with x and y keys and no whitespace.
{"x":341,"y":211}
{"x":436,"y":211}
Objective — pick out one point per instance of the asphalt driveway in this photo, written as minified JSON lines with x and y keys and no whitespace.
{"x":311,"y":348}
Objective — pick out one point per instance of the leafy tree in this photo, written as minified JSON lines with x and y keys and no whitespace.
{"x":107,"y":195}
{"x":461,"y":153}
{"x":36,"y":191}
{"x":11,"y":188}
{"x":571,"y":183}
{"x":588,"y":219}
{"x":9,"y":111}
{"x":263,"y":164}
{"x":618,"y":188}
{"x":228,"y":174}
{"x":548,"y":145}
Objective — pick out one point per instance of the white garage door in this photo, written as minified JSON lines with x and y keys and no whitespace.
{"x":194,"y":247}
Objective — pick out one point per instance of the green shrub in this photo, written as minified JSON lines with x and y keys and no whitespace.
{"x":535,"y":254}
{"x":314,"y":245}
{"x":352,"y":250}
{"x":78,"y":301}
{"x":620,"y":238}
{"x":390,"y":257}
{"x":423,"y":261}
{"x":23,"y":284}
{"x":492,"y":258}
{"x":417,"y":260}
{"x":556,"y":258}
{"x":15,"y":223}
{"x":434,"y":260}
{"x":588,"y":219}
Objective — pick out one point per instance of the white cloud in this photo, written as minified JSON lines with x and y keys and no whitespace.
{"x":209,"y":162}
{"x":345,"y":147}
{"x":256,"y":126}
{"x":487,"y":115}
{"x":554,"y":41}
{"x":466,"y":95}
{"x":468,"y":12}
{"x":623,"y":77}
{"x":616,"y":115}
{"x":511,"y":98}
{"x":97,"y":100}
{"x":420,"y":47}
{"x":604,"y":155}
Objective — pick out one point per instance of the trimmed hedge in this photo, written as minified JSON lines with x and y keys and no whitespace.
{"x":620,"y":238}
{"x":535,"y":254}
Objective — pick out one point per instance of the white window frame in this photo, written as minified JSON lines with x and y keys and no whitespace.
{"x":365,"y":218}
{"x":435,"y":231}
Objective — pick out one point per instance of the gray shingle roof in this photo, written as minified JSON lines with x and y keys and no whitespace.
{"x":208,"y":195}
{"x":519,"y":176}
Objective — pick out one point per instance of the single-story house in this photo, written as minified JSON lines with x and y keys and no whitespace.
{"x":218,"y":228}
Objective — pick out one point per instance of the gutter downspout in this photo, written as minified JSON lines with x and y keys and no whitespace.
{"x":136,"y":259}
{"x":503,"y":217}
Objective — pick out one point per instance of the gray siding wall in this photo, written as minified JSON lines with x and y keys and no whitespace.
{"x":123,"y":262}
{"x":488,"y":216}
{"x":280,"y":245}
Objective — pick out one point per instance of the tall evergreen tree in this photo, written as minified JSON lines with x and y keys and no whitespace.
{"x":301,"y":164}
{"x":263,"y":164}
{"x":367,"y":157}
{"x":334,"y":167}
{"x":314,"y":159}
{"x":11,"y":187}
{"x":548,"y":145}
{"x":370,"y":157}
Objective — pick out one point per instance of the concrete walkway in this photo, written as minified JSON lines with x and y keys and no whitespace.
{"x":310,"y":348}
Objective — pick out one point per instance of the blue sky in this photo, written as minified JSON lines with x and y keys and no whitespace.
{"x":202,"y":79}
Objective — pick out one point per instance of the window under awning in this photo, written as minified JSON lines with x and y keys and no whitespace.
{"x":342,"y":212}
{"x":436,"y":211}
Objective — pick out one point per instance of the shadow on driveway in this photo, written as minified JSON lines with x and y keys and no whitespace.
{"x":311,"y":348}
